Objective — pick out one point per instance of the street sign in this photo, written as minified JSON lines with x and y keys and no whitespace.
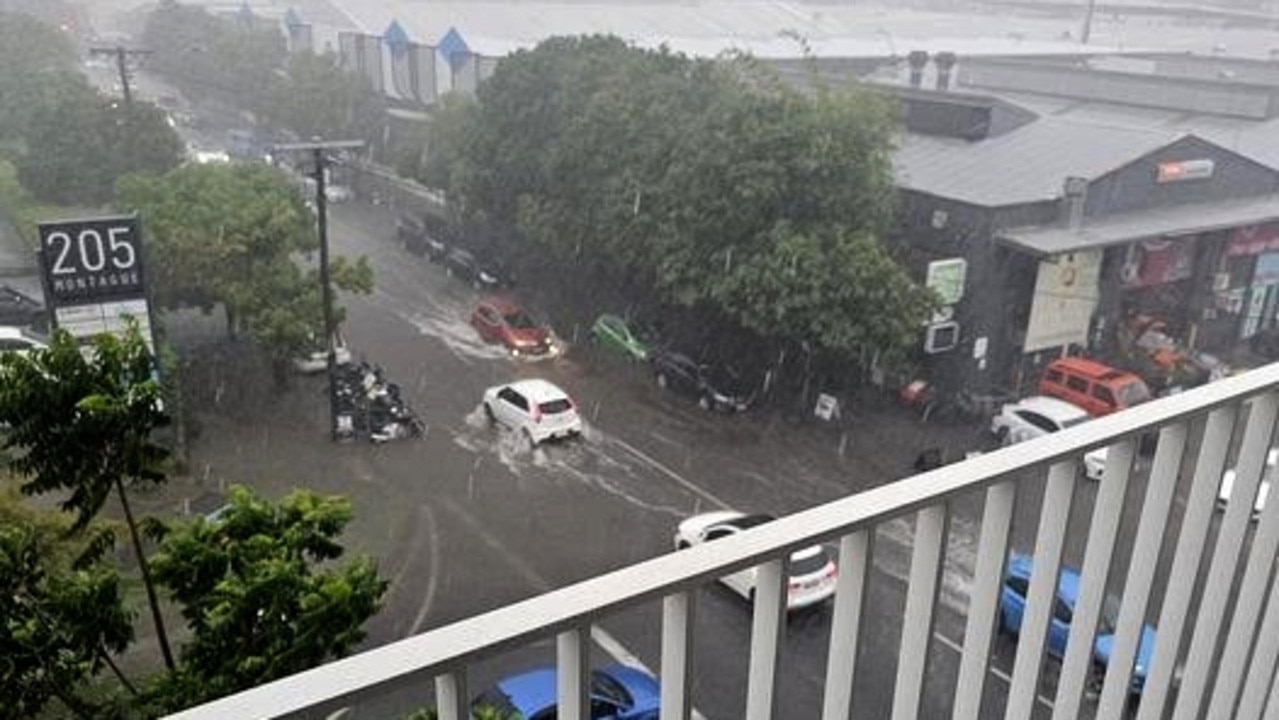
{"x":93,"y":275}
{"x":90,"y":261}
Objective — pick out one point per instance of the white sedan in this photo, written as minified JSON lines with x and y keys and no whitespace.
{"x":812,"y":570}
{"x":1263,"y":489}
{"x":536,"y":408}
{"x":1034,"y":417}
{"x":19,"y":341}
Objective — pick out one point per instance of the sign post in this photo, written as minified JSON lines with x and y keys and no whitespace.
{"x":93,"y":276}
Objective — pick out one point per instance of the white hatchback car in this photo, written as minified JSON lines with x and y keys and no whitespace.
{"x":536,"y":408}
{"x":812,"y":570}
{"x":1034,"y":417}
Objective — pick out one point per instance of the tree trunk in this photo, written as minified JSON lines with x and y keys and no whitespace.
{"x":106,"y":657}
{"x":146,"y":577}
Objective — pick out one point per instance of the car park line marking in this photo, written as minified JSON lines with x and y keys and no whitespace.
{"x":993,"y":670}
{"x":607,"y":642}
{"x":687,"y":484}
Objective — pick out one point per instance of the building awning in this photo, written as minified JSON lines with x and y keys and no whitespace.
{"x":1048,"y":240}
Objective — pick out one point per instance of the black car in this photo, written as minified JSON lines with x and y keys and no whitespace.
{"x":19,"y":309}
{"x":716,"y":387}
{"x":415,"y":233}
{"x":481,"y":273}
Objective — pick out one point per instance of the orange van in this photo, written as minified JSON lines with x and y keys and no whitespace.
{"x":1099,"y":389}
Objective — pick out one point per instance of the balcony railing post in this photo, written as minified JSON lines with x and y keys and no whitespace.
{"x":1107,"y":511}
{"x":1142,"y":566}
{"x":677,"y":654}
{"x":573,"y":674}
{"x":766,"y":632}
{"x":983,"y":604}
{"x":1252,"y":593}
{"x":1195,"y":524}
{"x":1261,"y":674}
{"x":1257,"y":438}
{"x":1058,"y":495}
{"x":450,"y":696}
{"x":921,"y":601}
{"x":846,"y":624}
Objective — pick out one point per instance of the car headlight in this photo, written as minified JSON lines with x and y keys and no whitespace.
{"x":486,"y":278}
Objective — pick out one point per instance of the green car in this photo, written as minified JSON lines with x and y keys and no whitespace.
{"x":613,"y":331}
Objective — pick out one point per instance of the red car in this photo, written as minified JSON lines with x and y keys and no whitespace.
{"x":500,"y":320}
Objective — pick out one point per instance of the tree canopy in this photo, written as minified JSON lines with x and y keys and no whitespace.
{"x":261,"y":593}
{"x":709,"y":180}
{"x":233,"y":234}
{"x":61,"y":611}
{"x":69,"y":142}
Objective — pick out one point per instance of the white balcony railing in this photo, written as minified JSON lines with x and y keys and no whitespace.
{"x":1225,"y":652}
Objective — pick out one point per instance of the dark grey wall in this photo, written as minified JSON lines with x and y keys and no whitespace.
{"x":997,"y":291}
{"x":1133,"y":186}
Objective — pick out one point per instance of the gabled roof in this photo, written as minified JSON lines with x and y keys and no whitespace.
{"x":1026,"y":165}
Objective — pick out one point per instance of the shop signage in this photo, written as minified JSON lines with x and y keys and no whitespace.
{"x":1253,"y":240}
{"x":1182,"y":170}
{"x":1158,"y":262}
{"x":946,"y":278}
{"x":1066,"y":294}
{"x":93,"y":275}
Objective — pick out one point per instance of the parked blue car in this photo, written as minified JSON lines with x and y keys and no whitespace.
{"x":618,"y":692}
{"x":1012,"y":605}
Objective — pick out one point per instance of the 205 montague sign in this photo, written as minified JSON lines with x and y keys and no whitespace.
{"x":93,"y":276}
{"x":90,"y":261}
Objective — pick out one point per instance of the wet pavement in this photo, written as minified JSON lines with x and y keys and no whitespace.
{"x":468,"y":518}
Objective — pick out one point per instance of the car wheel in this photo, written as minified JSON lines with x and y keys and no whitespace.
{"x":662,"y":382}
{"x":704,"y":402}
{"x":488,"y":415}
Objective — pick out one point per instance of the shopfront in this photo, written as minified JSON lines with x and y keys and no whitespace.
{"x":1246,"y":286}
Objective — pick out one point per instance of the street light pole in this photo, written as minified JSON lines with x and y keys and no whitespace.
{"x":319,"y":150}
{"x":1087,"y":31}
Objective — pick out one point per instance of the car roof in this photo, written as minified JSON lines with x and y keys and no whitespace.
{"x":1052,"y":407}
{"x":502,"y":305}
{"x":1067,"y":582}
{"x":530,"y":692}
{"x":538,"y":390}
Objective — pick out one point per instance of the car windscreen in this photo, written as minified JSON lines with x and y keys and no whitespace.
{"x":555,"y":407}
{"x":808,"y":561}
{"x":604,"y":686}
{"x":519,"y":320}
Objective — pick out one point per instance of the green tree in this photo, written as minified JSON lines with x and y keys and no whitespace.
{"x":61,"y":611}
{"x":233,"y":235}
{"x":708,"y":183}
{"x":261,"y":593}
{"x":208,"y":55}
{"x":316,"y":97}
{"x":39,"y":66}
{"x":79,"y":143}
{"x":83,"y":424}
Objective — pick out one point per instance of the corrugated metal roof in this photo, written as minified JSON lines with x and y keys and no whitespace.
{"x":1119,"y":229}
{"x":1026,"y":165}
